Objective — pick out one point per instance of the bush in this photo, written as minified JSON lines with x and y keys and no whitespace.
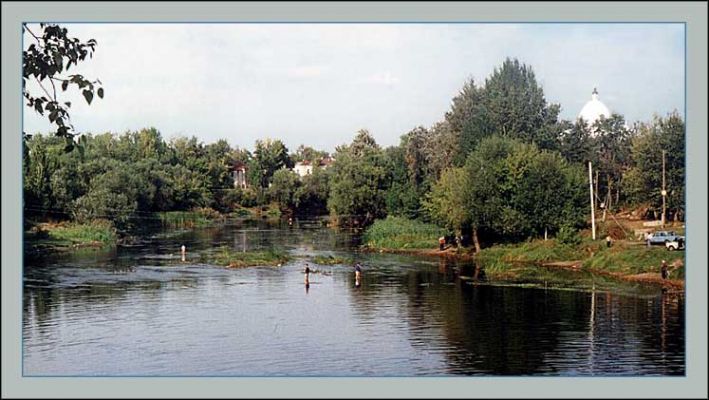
{"x":568,"y":235}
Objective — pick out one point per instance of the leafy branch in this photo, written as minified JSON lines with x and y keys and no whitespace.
{"x":54,"y":54}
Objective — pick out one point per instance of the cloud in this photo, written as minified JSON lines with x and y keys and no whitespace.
{"x":306,"y":71}
{"x":318,"y":84}
{"x":382,"y":78}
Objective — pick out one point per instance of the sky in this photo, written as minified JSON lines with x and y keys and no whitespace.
{"x":318,"y":84}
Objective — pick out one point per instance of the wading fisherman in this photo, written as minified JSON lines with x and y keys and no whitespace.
{"x":358,"y":274}
{"x":307,"y":275}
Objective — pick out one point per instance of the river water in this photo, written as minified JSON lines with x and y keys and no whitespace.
{"x":140,"y":310}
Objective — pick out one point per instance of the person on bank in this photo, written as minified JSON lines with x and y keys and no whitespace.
{"x":441,"y":243}
{"x":664,"y":272}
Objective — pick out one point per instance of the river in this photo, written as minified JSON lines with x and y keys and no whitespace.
{"x":140,"y":310}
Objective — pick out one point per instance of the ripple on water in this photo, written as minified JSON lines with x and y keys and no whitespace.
{"x":143,"y":312}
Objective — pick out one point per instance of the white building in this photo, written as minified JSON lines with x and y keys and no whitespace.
{"x":305,"y":167}
{"x":594,"y":110}
{"x":239,"y":175}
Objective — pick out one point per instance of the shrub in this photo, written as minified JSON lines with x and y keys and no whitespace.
{"x":568,"y":235}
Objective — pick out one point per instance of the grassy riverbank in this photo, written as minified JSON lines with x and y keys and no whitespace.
{"x":625,"y":259}
{"x":535,"y":260}
{"x":401,"y":233}
{"x":66,"y":235}
{"x":228,"y":257}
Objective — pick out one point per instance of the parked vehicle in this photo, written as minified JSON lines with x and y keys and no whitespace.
{"x":662,"y":237}
{"x":675,"y":244}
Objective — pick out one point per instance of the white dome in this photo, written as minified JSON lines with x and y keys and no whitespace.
{"x":594,"y":109}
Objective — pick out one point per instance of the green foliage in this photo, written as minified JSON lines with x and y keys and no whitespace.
{"x":517,"y":190}
{"x":629,"y":260}
{"x":269,"y":157}
{"x":103,"y":203}
{"x":124,"y":177}
{"x":568,"y":235}
{"x":312,"y":194}
{"x":90,"y":232}
{"x":576,"y":143}
{"x":402,"y":233}
{"x":228,"y":257}
{"x":332,"y":260}
{"x":358,"y":182}
{"x":510,"y":103}
{"x":307,"y":153}
{"x":448,"y":200}
{"x":49,"y":54}
{"x":644,"y":180}
{"x":284,"y":187}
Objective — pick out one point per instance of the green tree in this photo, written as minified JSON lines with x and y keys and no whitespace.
{"x":510,"y":103}
{"x":307,"y":153}
{"x":283,"y":188}
{"x":448,"y":200}
{"x":311,"y":196}
{"x":644,"y":179}
{"x":269,"y":156}
{"x":358,"y":182}
{"x":517,"y":190}
{"x":613,"y":156}
{"x":577,"y":144}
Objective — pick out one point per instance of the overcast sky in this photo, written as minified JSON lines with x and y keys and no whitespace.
{"x":317,"y":84}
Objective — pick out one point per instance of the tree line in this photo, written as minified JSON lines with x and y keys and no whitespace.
{"x":499,"y":164}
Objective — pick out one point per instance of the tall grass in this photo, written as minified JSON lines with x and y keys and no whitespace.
{"x":331,"y":260}
{"x":402,"y":233}
{"x":95,"y":232}
{"x":228,"y":257}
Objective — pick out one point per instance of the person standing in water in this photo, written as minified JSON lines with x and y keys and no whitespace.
{"x":358,"y":274}
{"x":307,"y":275}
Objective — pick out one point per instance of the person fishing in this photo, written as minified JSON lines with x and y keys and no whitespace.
{"x":307,"y":275}
{"x":358,"y":273}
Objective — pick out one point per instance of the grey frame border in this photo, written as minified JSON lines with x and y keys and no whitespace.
{"x":693,"y":385}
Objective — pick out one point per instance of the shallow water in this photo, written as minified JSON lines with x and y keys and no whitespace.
{"x":140,"y":310}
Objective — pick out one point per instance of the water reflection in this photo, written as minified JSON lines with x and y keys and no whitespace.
{"x":150,"y":309}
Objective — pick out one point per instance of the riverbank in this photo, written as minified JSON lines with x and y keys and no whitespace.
{"x":50,"y":235}
{"x":70,"y":235}
{"x":536,"y":261}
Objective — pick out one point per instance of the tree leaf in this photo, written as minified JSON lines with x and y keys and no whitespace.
{"x":100,"y":92}
{"x":88,"y":96}
{"x":65,"y":85}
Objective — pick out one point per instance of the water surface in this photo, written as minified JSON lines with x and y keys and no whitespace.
{"x":141,"y":310}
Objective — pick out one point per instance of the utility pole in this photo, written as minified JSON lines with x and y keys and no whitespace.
{"x":664,"y":190}
{"x":593,"y":218}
